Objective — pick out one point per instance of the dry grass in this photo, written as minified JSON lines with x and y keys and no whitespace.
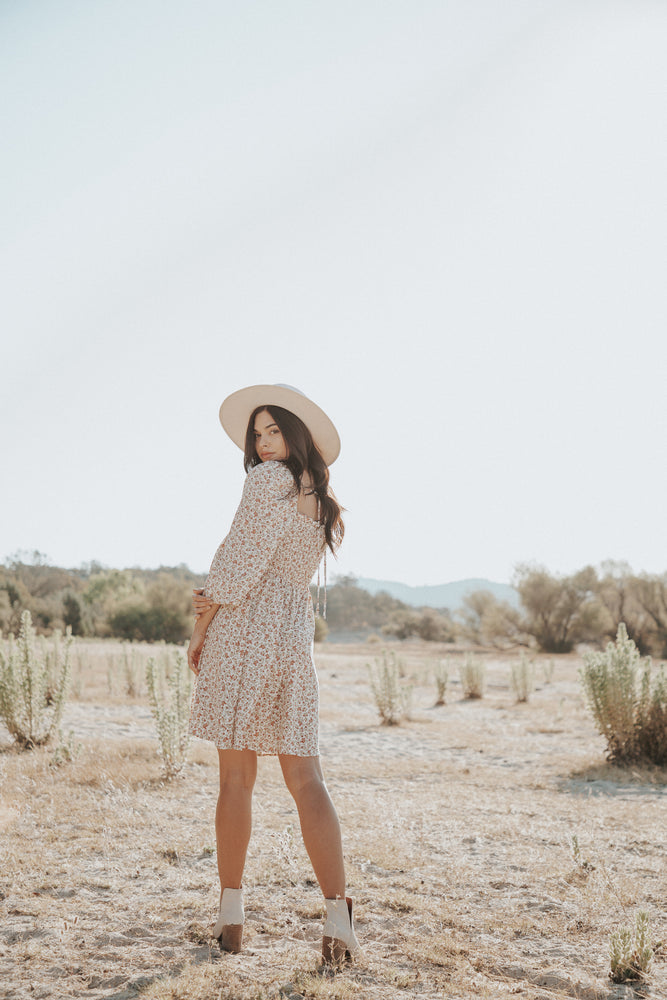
{"x":458,"y":831}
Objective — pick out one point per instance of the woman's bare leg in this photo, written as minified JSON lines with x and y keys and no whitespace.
{"x":319,"y":823}
{"x":233,"y":816}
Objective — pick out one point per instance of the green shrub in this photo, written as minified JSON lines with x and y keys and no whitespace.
{"x":522,"y":677}
{"x":628,"y":705}
{"x":631,"y":953}
{"x":33,"y":687}
{"x":170,"y":704}
{"x":472,"y":672}
{"x":392,"y":698}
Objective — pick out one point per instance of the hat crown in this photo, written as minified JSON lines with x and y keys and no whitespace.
{"x":292,"y":388}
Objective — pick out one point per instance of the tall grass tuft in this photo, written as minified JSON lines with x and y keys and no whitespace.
{"x":628,"y":705}
{"x":472,"y":672}
{"x":441,"y":676}
{"x":34,"y":685}
{"x":522,"y":677}
{"x":170,"y":704}
{"x":393,"y":699}
{"x":631,"y":954}
{"x":132,"y":671}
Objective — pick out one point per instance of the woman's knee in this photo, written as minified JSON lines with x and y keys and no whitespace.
{"x":238,"y":769}
{"x":303,"y":776}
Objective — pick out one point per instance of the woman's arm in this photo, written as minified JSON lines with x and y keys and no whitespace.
{"x":198,"y":635}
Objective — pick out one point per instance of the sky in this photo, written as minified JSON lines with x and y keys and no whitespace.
{"x":445,"y":222}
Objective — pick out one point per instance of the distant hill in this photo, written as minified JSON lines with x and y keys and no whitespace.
{"x":442,"y":595}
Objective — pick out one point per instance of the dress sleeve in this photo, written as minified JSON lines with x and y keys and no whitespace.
{"x":258,"y":525}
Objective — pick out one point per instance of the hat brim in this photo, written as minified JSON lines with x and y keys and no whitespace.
{"x":236,"y":411}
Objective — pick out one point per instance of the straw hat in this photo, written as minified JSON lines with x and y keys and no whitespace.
{"x":236,"y":410}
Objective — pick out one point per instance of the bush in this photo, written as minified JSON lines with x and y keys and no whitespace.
{"x":631,"y":954}
{"x":426,"y":623}
{"x":33,"y":687}
{"x":630,"y":710}
{"x":488,"y":621}
{"x":522,"y":677}
{"x":170,"y":705}
{"x":441,"y":675}
{"x":559,"y":611}
{"x":472,"y":672}
{"x":321,"y":629}
{"x":392,"y":698}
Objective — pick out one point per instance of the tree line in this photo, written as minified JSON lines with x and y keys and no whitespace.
{"x":138,"y":604}
{"x":554,"y":612}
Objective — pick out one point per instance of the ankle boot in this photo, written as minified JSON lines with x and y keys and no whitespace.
{"x":339,"y":942}
{"x":229,"y":926}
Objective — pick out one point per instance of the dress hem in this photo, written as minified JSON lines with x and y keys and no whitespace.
{"x":260,"y":753}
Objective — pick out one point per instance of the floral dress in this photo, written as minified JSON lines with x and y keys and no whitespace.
{"x":257,"y":687}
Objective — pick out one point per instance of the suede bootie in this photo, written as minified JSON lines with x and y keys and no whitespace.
{"x":229,"y":926}
{"x":339,"y":943}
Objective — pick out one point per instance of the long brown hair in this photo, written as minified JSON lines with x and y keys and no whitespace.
{"x":302,"y":457}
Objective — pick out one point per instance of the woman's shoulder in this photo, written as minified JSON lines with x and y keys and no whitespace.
{"x":268,"y":476}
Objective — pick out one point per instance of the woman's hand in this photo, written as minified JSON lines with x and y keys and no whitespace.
{"x":200,"y":603}
{"x":205,"y":616}
{"x":195,"y":647}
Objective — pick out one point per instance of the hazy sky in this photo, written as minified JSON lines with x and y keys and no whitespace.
{"x":445,"y":221}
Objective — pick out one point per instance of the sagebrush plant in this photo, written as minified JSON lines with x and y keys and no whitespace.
{"x":441,"y":675}
{"x":472,"y":672}
{"x":169,"y":700}
{"x":132,"y":671}
{"x":631,"y":952}
{"x":548,"y":669}
{"x":628,"y":704}
{"x":65,"y":750}
{"x":34,"y":685}
{"x":582,"y":863}
{"x":522,"y":677}
{"x":393,"y":699}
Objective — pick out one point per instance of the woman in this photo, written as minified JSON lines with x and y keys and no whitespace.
{"x":251,"y":648}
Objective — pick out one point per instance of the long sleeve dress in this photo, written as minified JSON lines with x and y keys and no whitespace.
{"x":257,"y":687}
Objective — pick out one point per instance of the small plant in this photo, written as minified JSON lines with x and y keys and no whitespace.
{"x":522,"y":677}
{"x":65,"y":751}
{"x":33,"y":687}
{"x":629,"y":708}
{"x":392,"y":698}
{"x":580,"y":861}
{"x":548,"y":669}
{"x":472,"y":672}
{"x":441,"y":675}
{"x":169,"y":701}
{"x":631,"y":953}
{"x":132,"y":671}
{"x":289,"y":862}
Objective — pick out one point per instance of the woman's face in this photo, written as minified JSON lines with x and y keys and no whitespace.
{"x":269,"y":442}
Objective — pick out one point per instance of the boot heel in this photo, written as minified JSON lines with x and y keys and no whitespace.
{"x":231,"y":938}
{"x":334,"y":951}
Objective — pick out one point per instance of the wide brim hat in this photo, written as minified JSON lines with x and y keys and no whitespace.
{"x":237,"y":409}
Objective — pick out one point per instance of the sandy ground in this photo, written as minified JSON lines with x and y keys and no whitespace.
{"x":458,"y":828}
